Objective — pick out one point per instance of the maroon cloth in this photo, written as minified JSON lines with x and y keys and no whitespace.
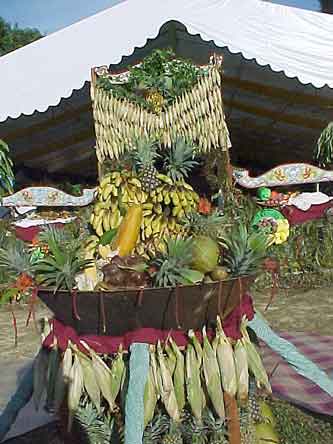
{"x":296,"y":216}
{"x":31,"y":233}
{"x":110,"y":344}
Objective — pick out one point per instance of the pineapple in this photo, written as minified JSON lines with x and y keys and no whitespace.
{"x":91,"y":426}
{"x":180,"y":160}
{"x":202,"y":225}
{"x":244,"y":251}
{"x":195,"y":431}
{"x":145,"y":157}
{"x":155,"y":429}
{"x":173,"y":263}
{"x":15,"y":259}
{"x":174,"y":435}
{"x":216,"y":429}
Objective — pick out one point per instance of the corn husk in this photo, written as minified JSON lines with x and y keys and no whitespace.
{"x":75,"y":390}
{"x":254,"y":360}
{"x":89,"y":380}
{"x":225,"y":358}
{"x":103,"y":377}
{"x":149,"y":398}
{"x":170,"y":358}
{"x":117,"y":371}
{"x":167,"y":391}
{"x":212,"y":375}
{"x":40,"y":367}
{"x":193,"y":382}
{"x":179,"y":376}
{"x":242,"y":372}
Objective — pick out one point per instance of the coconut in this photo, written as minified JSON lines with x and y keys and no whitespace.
{"x":205,"y":254}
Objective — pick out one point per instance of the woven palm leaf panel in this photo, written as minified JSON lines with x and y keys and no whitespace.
{"x":197,"y":116}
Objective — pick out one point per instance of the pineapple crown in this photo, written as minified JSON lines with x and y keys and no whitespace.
{"x":172,"y":264}
{"x":15,"y":258}
{"x":145,"y":153}
{"x":244,"y":250}
{"x":180,"y":160}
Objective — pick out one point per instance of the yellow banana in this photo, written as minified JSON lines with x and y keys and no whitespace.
{"x":105,"y":181}
{"x":107,"y":191}
{"x":158,"y":208}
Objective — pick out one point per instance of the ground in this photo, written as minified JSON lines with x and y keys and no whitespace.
{"x":292,"y":311}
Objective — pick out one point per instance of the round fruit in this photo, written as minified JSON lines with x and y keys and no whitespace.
{"x":205,"y":254}
{"x":219,"y":274}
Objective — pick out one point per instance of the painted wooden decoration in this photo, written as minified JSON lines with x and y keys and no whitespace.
{"x":48,"y":197}
{"x":283,"y":175}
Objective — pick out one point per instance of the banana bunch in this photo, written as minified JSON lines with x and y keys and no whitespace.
{"x":197,"y":116}
{"x":163,"y":208}
{"x":115,"y":194}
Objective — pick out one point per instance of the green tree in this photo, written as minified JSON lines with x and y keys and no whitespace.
{"x":326,"y":6}
{"x":13,"y":37}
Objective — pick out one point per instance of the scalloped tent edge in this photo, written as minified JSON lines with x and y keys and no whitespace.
{"x":40,"y":74}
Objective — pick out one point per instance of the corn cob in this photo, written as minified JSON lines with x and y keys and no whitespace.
{"x":193,"y":382}
{"x":89,"y":380}
{"x":150,"y":397}
{"x":225,"y":357}
{"x":103,"y":377}
{"x":179,"y":376}
{"x":117,"y":371}
{"x":75,"y":390}
{"x":254,"y":359}
{"x":242,"y":372}
{"x":170,"y":357}
{"x":212,"y":375}
{"x":167,"y":390}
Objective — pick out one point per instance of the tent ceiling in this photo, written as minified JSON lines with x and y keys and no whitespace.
{"x":272,"y":118}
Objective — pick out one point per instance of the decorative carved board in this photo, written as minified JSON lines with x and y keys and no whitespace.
{"x":282,"y":175}
{"x":48,"y":197}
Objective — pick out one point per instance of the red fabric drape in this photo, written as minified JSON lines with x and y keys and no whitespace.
{"x":110,"y":344}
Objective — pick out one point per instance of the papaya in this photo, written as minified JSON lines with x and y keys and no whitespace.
{"x":128,"y":231}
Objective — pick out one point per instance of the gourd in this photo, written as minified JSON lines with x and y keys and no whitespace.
{"x":128,"y":231}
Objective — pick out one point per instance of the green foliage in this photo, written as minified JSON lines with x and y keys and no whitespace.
{"x":6,"y":170}
{"x":244,"y":250}
{"x":180,"y":160}
{"x":12,"y":37}
{"x":15,"y":259}
{"x":161,"y":72}
{"x":323,"y":153}
{"x":91,"y":426}
{"x":173,"y":266}
{"x":60,"y":267}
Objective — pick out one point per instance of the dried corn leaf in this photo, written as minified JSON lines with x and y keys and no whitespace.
{"x":63,"y":378}
{"x":193,"y":382}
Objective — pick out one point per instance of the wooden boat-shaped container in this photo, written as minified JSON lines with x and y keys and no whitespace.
{"x":116,"y":312}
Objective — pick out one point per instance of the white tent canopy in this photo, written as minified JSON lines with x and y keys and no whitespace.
{"x":297,"y":42}
{"x":265,"y":45}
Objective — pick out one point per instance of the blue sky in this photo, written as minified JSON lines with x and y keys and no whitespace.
{"x":51,"y":15}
